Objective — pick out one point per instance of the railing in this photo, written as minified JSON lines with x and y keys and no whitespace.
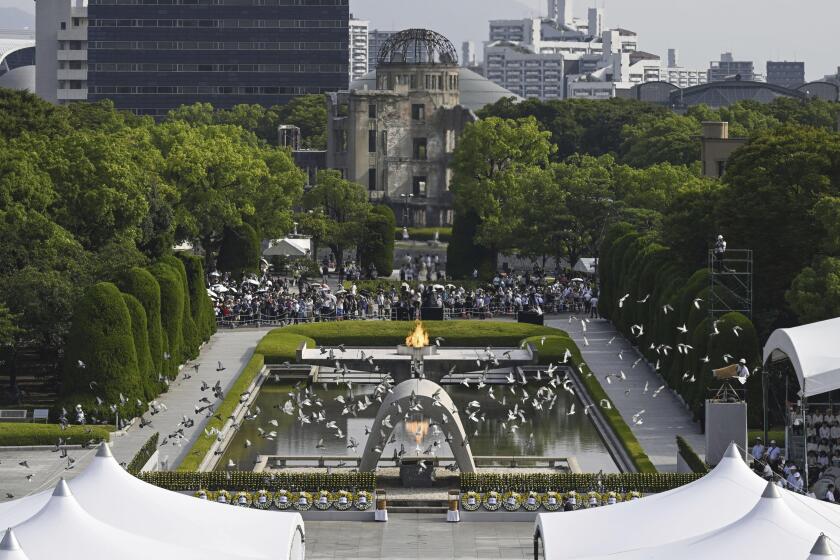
{"x":322,"y":461}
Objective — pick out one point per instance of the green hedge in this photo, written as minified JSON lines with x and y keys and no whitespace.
{"x":191,"y":338}
{"x":552,"y":351}
{"x":13,"y":433}
{"x":251,"y":482}
{"x":200,"y":303}
{"x":282,"y":347}
{"x":140,"y":283}
{"x":425,"y":234}
{"x":580,"y":482}
{"x":140,"y":331}
{"x":638,"y":265}
{"x":239,"y":252}
{"x":694,"y":462}
{"x":172,"y":314}
{"x":101,"y":338}
{"x":142,"y":457}
{"x":199,"y":450}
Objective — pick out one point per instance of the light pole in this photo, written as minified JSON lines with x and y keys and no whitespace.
{"x":406,"y":199}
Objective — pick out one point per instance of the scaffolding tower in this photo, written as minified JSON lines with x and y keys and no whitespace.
{"x":731,"y":283}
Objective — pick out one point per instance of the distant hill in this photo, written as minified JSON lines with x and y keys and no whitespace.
{"x":15,"y":18}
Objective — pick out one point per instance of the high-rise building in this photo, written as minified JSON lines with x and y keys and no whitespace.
{"x":358,"y":48}
{"x":786,"y":74}
{"x":61,"y":46}
{"x":679,"y":76}
{"x":155,"y":55}
{"x":727,"y":68}
{"x":376,"y":39}
{"x":595,"y":22}
{"x":560,"y":11}
{"x":468,"y":54}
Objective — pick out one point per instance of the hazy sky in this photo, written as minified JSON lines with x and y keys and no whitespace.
{"x":701,"y":29}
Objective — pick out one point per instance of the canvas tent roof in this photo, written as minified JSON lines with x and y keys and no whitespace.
{"x":813,"y":351}
{"x":106,"y":492}
{"x":719,"y":499}
{"x":288,"y":247}
{"x":586,"y":265}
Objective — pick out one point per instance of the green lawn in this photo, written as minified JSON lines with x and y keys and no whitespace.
{"x":14,"y":433}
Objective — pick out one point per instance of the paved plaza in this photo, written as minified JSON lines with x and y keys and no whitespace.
{"x":665,"y":416}
{"x":420,"y":536}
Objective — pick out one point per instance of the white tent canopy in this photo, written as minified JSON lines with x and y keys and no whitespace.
{"x":110,"y":495}
{"x":289,"y":247}
{"x":813,"y":351}
{"x":586,"y":265}
{"x":10,"y":547}
{"x":769,"y":530}
{"x":720,"y":499}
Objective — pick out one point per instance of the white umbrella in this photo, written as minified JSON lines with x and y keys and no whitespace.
{"x":341,"y":291}
{"x":577,"y":280}
{"x":437,"y":287}
{"x":214,"y":273}
{"x":212,"y":294}
{"x":451,"y":286}
{"x":252,"y":281}
{"x":219,"y":288}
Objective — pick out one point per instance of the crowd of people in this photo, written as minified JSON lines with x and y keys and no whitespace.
{"x":276,"y":299}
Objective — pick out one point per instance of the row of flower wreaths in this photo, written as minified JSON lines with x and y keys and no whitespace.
{"x":363,"y":500}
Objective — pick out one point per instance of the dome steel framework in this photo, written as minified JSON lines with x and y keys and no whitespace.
{"x":417,"y":46}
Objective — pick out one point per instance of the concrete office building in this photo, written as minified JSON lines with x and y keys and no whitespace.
{"x":716,"y":147}
{"x":679,"y":76}
{"x":468,"y":56}
{"x":395,"y":130}
{"x":542,"y":57}
{"x":61,"y":49}
{"x":727,"y":68}
{"x":786,"y":74}
{"x":376,"y":39}
{"x":358,"y":48}
{"x":152,"y":56}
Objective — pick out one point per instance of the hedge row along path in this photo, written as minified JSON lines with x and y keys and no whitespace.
{"x":665,"y":416}
{"x":231,"y":347}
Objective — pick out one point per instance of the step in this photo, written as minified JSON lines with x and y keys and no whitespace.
{"x":415,"y":509}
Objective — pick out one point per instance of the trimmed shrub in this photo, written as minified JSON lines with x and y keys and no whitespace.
{"x":190,"y":332}
{"x":239,"y":252}
{"x":15,"y":434}
{"x":139,"y":330}
{"x":100,"y":358}
{"x":140,"y":283}
{"x":200,"y":304}
{"x":142,"y":457}
{"x":171,"y":314}
{"x":238,"y":481}
{"x":694,"y":462}
{"x":581,"y":483}
{"x":377,"y":247}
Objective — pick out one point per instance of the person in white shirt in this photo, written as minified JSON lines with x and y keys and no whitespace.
{"x":829,"y":494}
{"x":743,"y":371}
{"x":773,"y":452}
{"x":817,"y":418}
{"x":835,"y":430}
{"x":825,"y":431}
{"x":758,"y":449}
{"x":829,"y":417}
{"x":795,"y":482}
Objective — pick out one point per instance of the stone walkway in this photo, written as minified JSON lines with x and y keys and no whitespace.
{"x":665,"y":416}
{"x":234,"y":349}
{"x":420,"y":536}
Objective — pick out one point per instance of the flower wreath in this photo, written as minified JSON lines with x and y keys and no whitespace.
{"x":552,"y":501}
{"x":262,"y":500}
{"x":492,"y":501}
{"x":223,"y":497}
{"x":633,"y":496}
{"x":342,"y":500}
{"x":204,"y":495}
{"x":471,"y":501}
{"x":323,"y":501}
{"x":512,"y":501}
{"x":363,"y":501}
{"x":283,"y":499}
{"x":302,"y":501}
{"x":243,"y":499}
{"x":593,"y":499}
{"x":532,"y":502}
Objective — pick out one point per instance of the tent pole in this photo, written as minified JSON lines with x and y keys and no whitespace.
{"x":764,"y":400}
{"x":804,"y":406}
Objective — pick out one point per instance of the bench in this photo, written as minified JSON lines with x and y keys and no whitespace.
{"x":12,"y":415}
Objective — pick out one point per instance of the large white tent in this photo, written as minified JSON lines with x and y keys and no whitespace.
{"x":813,"y":351}
{"x":113,"y":497}
{"x":722,"y":498}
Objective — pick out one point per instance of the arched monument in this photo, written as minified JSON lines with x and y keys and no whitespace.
{"x":436,"y":405}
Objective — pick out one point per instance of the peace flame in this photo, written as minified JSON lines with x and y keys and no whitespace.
{"x":419,"y":338}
